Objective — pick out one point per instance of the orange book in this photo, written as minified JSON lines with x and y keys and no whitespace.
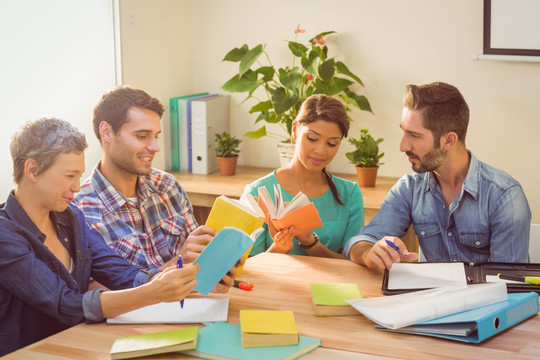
{"x":300,"y":212}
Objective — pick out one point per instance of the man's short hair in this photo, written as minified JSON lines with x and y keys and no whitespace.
{"x":442,"y":106}
{"x":113,"y":107}
{"x":42,"y":140}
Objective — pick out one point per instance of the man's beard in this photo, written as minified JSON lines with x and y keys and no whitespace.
{"x":431,"y":161}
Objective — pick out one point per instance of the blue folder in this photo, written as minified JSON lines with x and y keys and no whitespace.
{"x":478,"y":324}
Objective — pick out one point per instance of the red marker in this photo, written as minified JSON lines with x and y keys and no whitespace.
{"x":243,"y":285}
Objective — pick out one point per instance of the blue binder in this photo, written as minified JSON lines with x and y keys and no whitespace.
{"x":478,"y":324}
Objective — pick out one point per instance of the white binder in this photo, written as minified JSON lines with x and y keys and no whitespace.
{"x":208,"y":117}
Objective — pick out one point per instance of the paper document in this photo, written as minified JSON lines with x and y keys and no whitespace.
{"x":195,"y":310}
{"x":426,"y":275}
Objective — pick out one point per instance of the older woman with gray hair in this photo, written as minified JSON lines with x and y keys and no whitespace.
{"x":49,"y":252}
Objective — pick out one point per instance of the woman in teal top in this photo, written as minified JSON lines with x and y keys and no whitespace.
{"x":317,"y":131}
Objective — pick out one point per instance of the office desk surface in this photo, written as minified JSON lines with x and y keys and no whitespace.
{"x":282,"y":282}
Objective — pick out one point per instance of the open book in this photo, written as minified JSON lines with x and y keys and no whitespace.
{"x":300,"y":212}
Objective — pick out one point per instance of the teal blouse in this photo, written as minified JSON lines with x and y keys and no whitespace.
{"x":340,"y":222}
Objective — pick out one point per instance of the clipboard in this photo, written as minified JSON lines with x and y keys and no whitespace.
{"x":475,"y":273}
{"x":479,"y":324}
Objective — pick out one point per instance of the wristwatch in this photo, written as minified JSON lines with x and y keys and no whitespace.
{"x":310,"y":245}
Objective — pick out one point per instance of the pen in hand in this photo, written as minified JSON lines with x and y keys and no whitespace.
{"x":180,"y":264}
{"x":394,"y":246}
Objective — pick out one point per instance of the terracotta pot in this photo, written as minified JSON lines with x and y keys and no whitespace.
{"x":227,"y":165}
{"x":366,"y":176}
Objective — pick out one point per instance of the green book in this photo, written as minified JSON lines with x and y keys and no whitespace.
{"x":155,"y":343}
{"x":329,"y":299}
{"x":222,"y":341}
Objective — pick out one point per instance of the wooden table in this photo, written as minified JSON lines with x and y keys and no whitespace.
{"x":282,"y":282}
{"x":203,"y":190}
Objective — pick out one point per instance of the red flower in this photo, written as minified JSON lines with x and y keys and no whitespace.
{"x":319,"y":41}
{"x":298,"y":30}
{"x":310,"y":77}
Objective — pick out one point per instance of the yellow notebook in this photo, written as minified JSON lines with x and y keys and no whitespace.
{"x":268,"y":328}
{"x":155,"y":343}
{"x":241,"y":214}
{"x":329,"y":299}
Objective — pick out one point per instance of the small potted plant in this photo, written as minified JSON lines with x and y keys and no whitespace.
{"x":366,"y":157}
{"x":226,"y":152}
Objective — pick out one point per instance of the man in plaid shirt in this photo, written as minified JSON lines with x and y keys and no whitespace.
{"x":143,"y":213}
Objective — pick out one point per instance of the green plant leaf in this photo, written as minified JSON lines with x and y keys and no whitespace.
{"x":297,"y":49}
{"x":326,"y":70}
{"x":333,"y":87}
{"x":290,"y":79}
{"x":282,"y":101}
{"x":360,"y":101}
{"x":249,"y":58}
{"x":246,"y":82}
{"x":309,"y":62}
{"x":236,"y":54}
{"x":267,"y":72}
{"x":342,"y":69}
{"x":257,"y":133}
{"x":262,"y":106}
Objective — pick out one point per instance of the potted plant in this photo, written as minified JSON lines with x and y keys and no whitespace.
{"x":226,"y":152}
{"x":366,"y":157}
{"x":285,"y":88}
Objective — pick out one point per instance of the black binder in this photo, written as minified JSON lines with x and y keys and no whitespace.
{"x":476,"y":274}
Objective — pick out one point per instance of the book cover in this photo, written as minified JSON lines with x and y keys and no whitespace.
{"x":208,"y":117}
{"x":401,"y":310}
{"x":268,"y":328}
{"x":154,"y":343}
{"x":219,"y":256}
{"x":222,"y":341}
{"x":177,"y":130}
{"x":300,"y":212}
{"x":479,"y":324}
{"x":329,"y":299}
{"x":195,"y":310}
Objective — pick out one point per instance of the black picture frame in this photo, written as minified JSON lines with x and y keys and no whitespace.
{"x":488,"y":50}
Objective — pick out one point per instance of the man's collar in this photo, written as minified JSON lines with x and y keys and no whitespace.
{"x":470,"y":184}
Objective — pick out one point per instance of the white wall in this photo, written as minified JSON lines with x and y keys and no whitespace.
{"x":388,"y":43}
{"x":57,"y":59}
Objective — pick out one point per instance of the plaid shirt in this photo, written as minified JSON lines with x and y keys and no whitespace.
{"x":147,"y":234}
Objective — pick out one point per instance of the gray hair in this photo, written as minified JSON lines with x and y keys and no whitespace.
{"x":42,"y":140}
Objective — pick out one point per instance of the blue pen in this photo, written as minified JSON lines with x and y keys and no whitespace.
{"x":393,"y":246}
{"x":180,"y":264}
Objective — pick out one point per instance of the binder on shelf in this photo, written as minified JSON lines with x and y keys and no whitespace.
{"x":178,"y":136}
{"x":476,"y":325}
{"x":208,"y":117}
{"x":189,"y":130}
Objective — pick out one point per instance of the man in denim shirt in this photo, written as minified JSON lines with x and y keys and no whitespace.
{"x":461,"y":208}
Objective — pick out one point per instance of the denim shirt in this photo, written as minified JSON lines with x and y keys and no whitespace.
{"x":489,"y":220}
{"x":38,"y":295}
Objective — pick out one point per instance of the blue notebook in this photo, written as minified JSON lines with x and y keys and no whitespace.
{"x":476,"y":325}
{"x":219,"y":256}
{"x":222,"y":341}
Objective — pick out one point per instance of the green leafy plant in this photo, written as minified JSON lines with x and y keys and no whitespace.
{"x":226,"y":145}
{"x":311,"y":72}
{"x":367,"y":150}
